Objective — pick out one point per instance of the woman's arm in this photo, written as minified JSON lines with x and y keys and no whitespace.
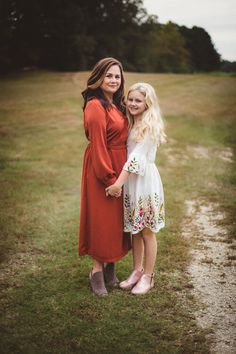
{"x":96,"y":125}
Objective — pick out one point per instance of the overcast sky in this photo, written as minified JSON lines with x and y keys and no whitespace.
{"x":217,"y":17}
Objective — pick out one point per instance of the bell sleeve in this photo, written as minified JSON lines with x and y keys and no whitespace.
{"x":137,"y":159}
{"x":96,"y":125}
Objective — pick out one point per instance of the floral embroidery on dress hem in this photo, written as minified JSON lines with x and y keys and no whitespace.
{"x":136,"y":231}
{"x":148,"y":212}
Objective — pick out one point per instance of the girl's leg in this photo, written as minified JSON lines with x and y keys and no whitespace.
{"x":150,"y":250}
{"x":146,"y":281}
{"x":138,"y":251}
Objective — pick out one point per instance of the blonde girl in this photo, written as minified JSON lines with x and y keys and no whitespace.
{"x":143,"y":191}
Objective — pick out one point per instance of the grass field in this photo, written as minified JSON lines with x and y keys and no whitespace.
{"x":46,"y":303}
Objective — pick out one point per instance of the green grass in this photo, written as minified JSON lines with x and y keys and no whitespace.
{"x":46,"y":301}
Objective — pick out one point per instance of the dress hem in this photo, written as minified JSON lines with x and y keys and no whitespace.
{"x":102,"y":260}
{"x":153,"y":230}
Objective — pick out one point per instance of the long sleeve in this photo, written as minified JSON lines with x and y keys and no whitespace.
{"x":95,"y":126}
{"x":137,"y":159}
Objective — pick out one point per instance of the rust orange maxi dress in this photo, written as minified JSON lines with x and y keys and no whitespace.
{"x":101,"y":217}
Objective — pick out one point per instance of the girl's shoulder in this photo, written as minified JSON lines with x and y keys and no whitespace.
{"x":146,"y":136}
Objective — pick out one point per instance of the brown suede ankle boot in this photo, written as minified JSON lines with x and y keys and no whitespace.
{"x":110,"y":275}
{"x":97,"y":283}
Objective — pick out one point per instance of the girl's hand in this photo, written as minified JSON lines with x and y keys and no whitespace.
{"x":113,"y":190}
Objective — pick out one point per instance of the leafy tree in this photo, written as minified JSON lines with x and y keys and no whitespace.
{"x":167,"y":49}
{"x":7,"y":29}
{"x":203,"y":54}
{"x":74,"y":34}
{"x":228,"y":66}
{"x":66,"y":34}
{"x":112,"y":23}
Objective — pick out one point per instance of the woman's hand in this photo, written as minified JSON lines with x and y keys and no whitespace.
{"x":113,"y":190}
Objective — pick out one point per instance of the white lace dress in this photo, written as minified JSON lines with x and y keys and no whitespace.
{"x":143,"y":191}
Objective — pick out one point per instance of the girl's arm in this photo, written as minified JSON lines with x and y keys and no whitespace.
{"x":136,"y":163}
{"x":115,"y":189}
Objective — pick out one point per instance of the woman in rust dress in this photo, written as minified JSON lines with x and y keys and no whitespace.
{"x":101,"y":217}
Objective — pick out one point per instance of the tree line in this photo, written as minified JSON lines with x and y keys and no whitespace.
{"x":74,"y":34}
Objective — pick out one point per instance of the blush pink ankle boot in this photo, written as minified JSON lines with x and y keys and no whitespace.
{"x":132,"y":280}
{"x":145,"y":283}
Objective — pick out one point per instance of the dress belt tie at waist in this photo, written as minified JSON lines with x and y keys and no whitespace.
{"x":116,"y":147}
{"x":111,"y":147}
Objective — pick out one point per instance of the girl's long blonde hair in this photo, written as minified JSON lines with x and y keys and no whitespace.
{"x":152,"y":121}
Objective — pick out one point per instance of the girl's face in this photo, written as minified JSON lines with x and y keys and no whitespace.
{"x":112,"y":81}
{"x":136,"y":103}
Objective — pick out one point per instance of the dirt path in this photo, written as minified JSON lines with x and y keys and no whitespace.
{"x":213,"y":274}
{"x":212,"y":269}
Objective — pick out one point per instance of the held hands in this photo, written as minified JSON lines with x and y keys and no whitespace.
{"x":113,"y":191}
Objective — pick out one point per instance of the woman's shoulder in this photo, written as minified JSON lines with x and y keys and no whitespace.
{"x":94,"y":102}
{"x":94,"y":106}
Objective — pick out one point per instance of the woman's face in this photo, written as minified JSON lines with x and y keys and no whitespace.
{"x":136,"y":103}
{"x":112,"y":80}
